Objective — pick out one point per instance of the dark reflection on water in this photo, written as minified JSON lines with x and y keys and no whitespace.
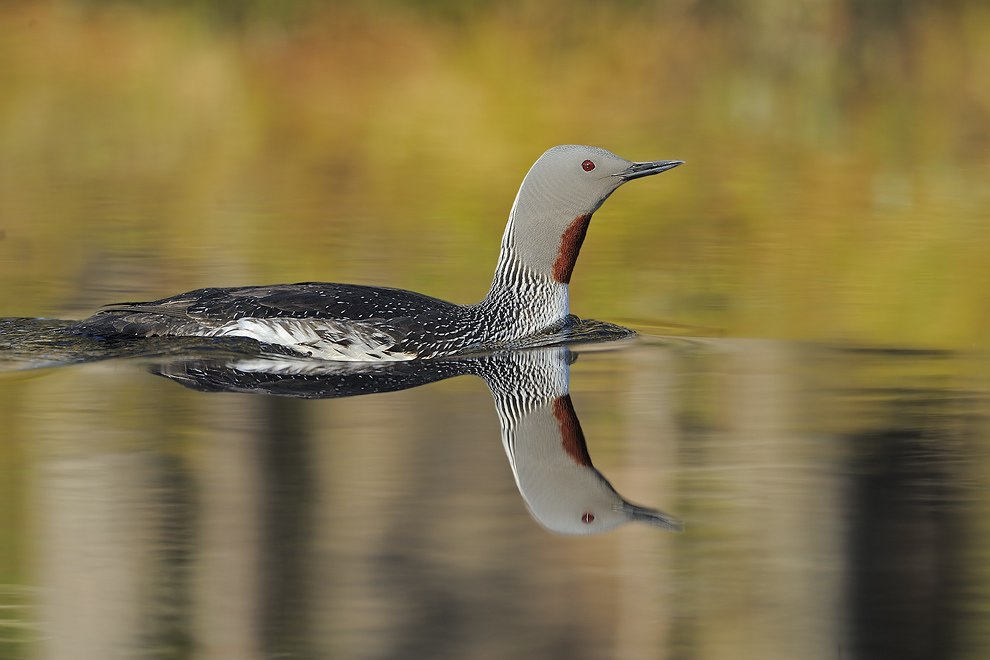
{"x":910,"y":497}
{"x":835,"y":501}
{"x":905,"y":544}
{"x":288,"y":487}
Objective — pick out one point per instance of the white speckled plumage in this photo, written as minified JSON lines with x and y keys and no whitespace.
{"x":347,"y":322}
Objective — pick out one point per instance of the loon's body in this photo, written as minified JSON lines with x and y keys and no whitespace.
{"x":528,"y":296}
{"x":325,"y":320}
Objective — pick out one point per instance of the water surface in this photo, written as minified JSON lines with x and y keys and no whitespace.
{"x":834,"y":501}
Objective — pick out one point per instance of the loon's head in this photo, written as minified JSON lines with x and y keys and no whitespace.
{"x":555,"y":202}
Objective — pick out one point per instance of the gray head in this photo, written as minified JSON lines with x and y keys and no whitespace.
{"x":555,"y":202}
{"x":562,"y":489}
{"x":582,"y":501}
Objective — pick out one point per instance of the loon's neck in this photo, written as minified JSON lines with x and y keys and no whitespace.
{"x":523,"y":299}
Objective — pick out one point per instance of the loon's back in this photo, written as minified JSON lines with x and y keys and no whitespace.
{"x":326,"y":320}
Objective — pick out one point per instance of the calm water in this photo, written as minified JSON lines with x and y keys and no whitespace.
{"x":835,"y":503}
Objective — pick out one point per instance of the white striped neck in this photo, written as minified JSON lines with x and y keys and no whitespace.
{"x":521,"y":301}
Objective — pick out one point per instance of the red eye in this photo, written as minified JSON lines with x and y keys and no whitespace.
{"x":588,"y":516}
{"x":588,"y":166}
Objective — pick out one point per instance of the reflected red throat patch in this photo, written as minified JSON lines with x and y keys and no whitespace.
{"x":571,"y":436}
{"x":570,"y":245}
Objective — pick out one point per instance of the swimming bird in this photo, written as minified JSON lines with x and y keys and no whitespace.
{"x":528,"y":296}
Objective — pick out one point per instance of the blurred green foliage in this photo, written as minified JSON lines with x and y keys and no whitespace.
{"x":838,"y":154}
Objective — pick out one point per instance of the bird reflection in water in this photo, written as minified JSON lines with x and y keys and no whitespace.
{"x":541,"y":433}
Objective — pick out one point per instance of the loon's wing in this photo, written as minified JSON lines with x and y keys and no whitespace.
{"x":213,"y":307}
{"x":311,"y":300}
{"x":216,"y":306}
{"x":333,"y":321}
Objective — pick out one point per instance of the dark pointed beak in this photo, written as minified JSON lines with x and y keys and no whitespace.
{"x":637,"y":170}
{"x":652,"y":516}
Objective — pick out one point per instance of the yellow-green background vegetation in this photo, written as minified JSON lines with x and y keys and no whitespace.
{"x":837,"y":183}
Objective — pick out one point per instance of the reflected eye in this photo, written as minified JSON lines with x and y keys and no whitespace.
{"x":588,"y":166}
{"x":588,"y":516}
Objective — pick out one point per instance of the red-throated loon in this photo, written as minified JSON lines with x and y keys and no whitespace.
{"x":546,"y":227}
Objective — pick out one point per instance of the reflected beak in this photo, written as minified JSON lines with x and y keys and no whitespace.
{"x":641,"y":513}
{"x":637,"y":170}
